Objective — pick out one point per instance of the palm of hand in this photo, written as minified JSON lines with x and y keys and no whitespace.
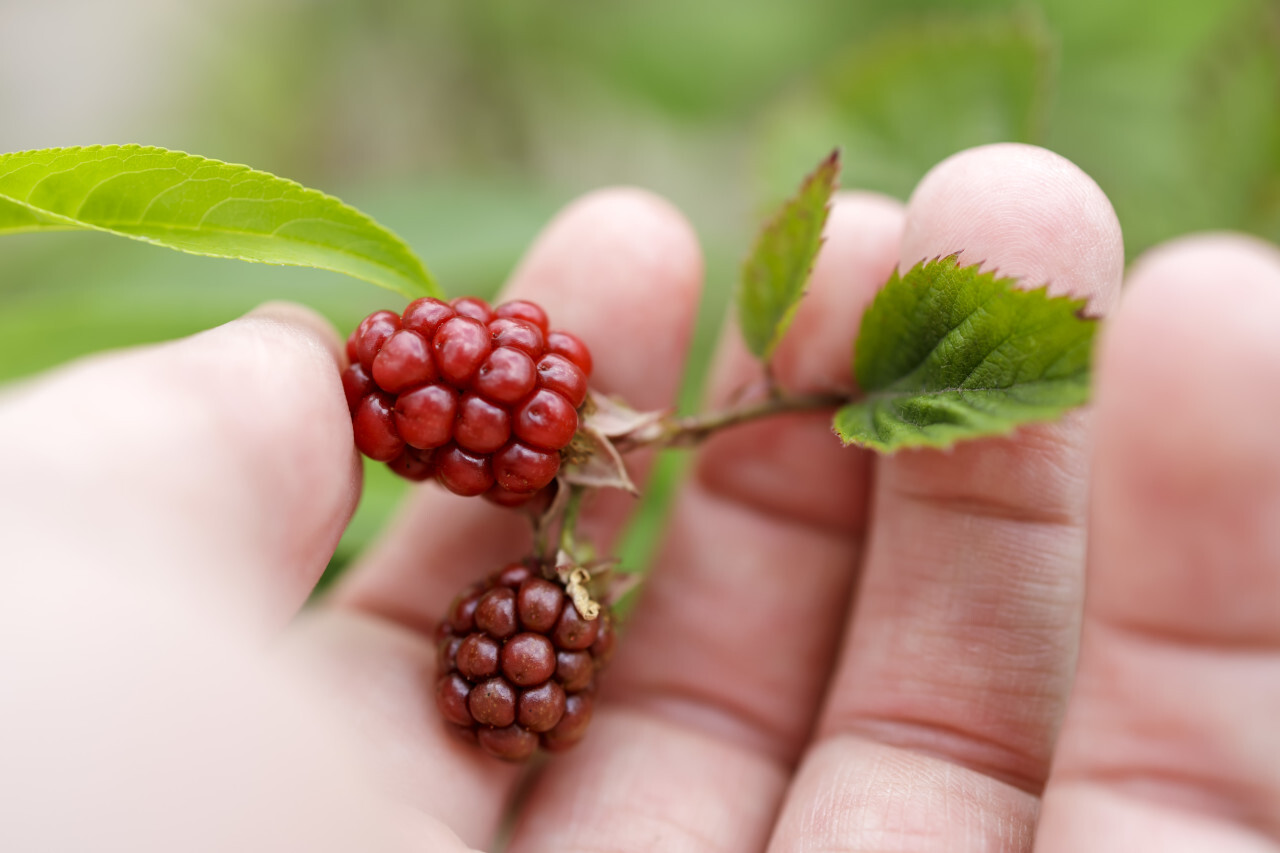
{"x":835,"y":653}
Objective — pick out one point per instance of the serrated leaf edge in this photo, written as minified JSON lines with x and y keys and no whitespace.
{"x":830,"y":162}
{"x":1011,"y":284}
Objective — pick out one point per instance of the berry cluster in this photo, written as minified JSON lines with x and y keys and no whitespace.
{"x":518,"y":664}
{"x":483,"y":399}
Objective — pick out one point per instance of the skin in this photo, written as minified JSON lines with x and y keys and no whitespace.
{"x":835,"y":652}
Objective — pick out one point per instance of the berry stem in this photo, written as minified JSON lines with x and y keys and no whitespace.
{"x":692,"y":430}
{"x":568,"y":527}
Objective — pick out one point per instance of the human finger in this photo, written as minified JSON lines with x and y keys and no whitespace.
{"x":223,"y":459}
{"x":716,"y":683}
{"x":943,"y":708}
{"x":1170,"y":740}
{"x":168,"y":729}
{"x":622,"y":270}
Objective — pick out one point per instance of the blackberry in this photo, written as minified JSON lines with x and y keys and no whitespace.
{"x":518,"y":664}
{"x":481,"y":399}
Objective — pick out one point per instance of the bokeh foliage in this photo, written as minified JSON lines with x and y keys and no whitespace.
{"x":464,"y":126}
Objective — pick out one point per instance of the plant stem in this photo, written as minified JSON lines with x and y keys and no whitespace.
{"x":569,"y":524}
{"x":693,"y":429}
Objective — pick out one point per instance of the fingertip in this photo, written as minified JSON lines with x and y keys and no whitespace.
{"x":622,"y":269}
{"x":1198,"y":322}
{"x":653,"y":230}
{"x":1199,"y":262}
{"x":302,"y":320}
{"x":1195,"y":299}
{"x":1186,"y":439}
{"x":1182,"y":617}
{"x":864,"y":206}
{"x":270,"y":382}
{"x":859,"y":251}
{"x":619,"y":268}
{"x":791,"y":467}
{"x":225,"y":458}
{"x":1025,"y":211}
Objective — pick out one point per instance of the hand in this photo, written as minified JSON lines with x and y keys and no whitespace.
{"x":835,"y":652}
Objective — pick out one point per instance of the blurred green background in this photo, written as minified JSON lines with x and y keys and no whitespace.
{"x":465,"y":126}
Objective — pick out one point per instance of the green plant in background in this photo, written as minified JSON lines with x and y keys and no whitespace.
{"x":983,"y":79}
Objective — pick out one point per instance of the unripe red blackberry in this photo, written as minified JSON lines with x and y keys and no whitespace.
{"x":518,"y":664}
{"x":481,"y":399}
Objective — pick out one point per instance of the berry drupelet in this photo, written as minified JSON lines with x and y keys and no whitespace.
{"x":482,"y":399}
{"x":518,"y":664}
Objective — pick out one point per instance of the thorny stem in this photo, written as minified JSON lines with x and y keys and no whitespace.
{"x":694,"y":429}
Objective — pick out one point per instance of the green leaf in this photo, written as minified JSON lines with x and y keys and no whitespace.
{"x":777,"y":270}
{"x":947,"y":353}
{"x":204,"y":207}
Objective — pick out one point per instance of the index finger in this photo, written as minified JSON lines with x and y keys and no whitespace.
{"x":712,"y":696}
{"x":620,"y":269}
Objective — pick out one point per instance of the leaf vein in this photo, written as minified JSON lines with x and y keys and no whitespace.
{"x":84,"y":199}
{"x":954,"y":330}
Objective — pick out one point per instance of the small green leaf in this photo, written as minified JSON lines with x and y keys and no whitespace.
{"x":204,"y":207}
{"x":947,"y":353}
{"x":777,"y":270}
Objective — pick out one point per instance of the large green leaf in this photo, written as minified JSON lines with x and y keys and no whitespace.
{"x":777,"y":270}
{"x":947,"y":353}
{"x":204,"y":207}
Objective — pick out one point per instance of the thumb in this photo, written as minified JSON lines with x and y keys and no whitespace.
{"x":218,"y":463}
